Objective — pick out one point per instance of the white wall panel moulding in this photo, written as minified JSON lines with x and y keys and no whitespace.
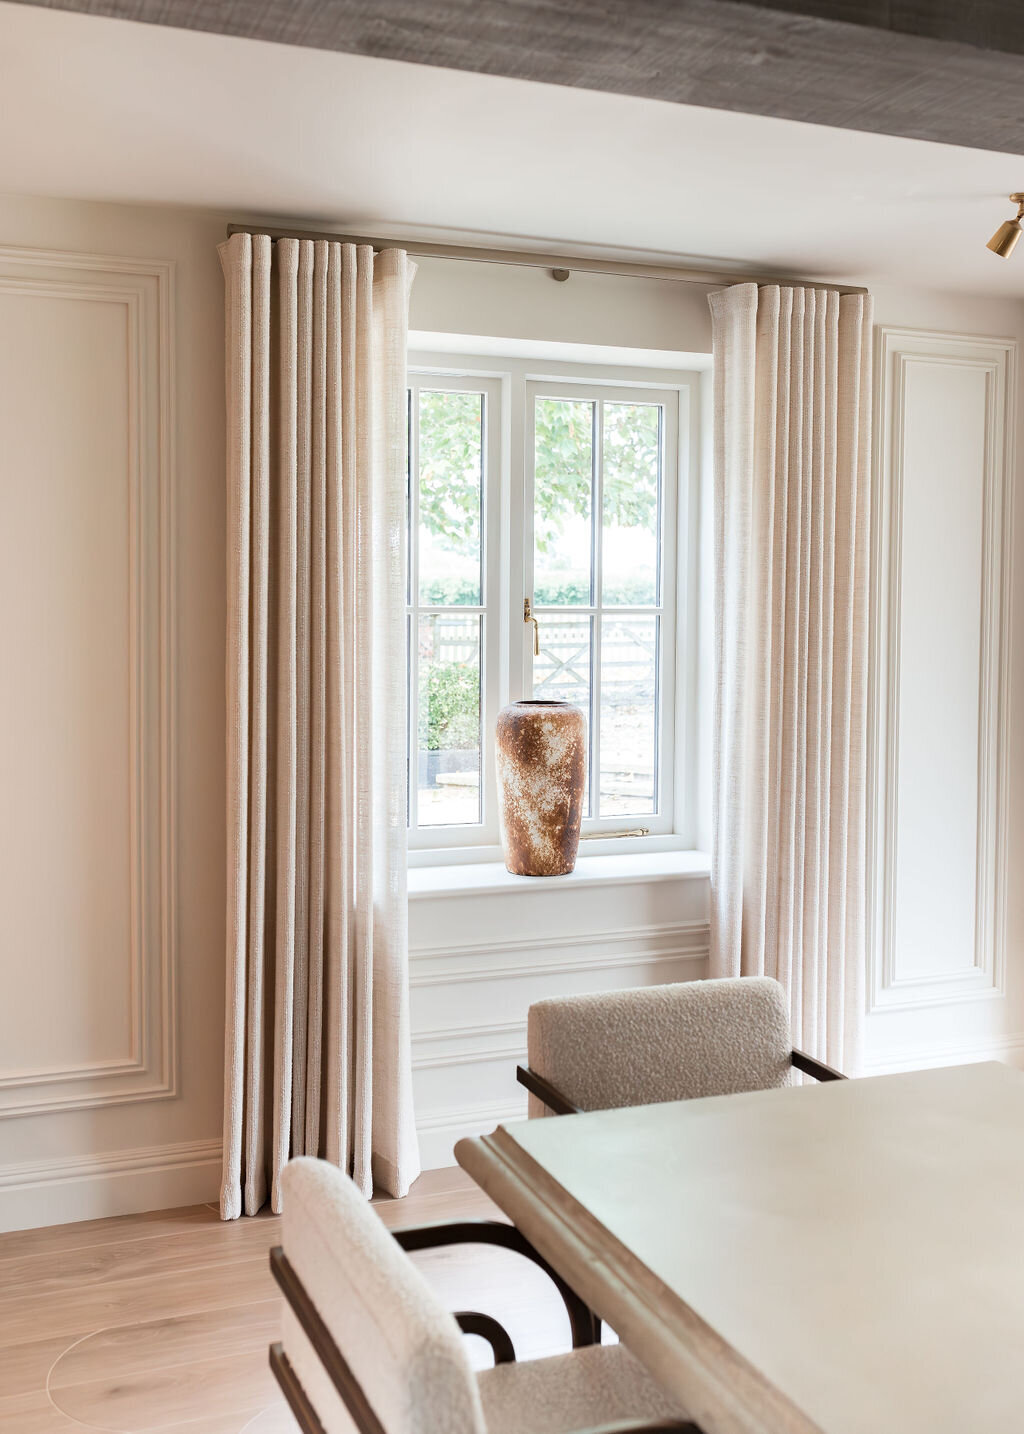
{"x":448,"y":1046}
{"x":942,"y":533}
{"x":102,"y":326}
{"x":543,"y":956}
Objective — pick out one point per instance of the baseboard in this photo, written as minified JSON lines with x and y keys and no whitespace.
{"x":1009,"y":1049}
{"x":122,"y":1182}
{"x":439,"y":1133}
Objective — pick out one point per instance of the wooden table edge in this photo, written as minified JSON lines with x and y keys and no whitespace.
{"x":718,"y":1387}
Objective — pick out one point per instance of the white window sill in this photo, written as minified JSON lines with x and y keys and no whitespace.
{"x":481,"y":878}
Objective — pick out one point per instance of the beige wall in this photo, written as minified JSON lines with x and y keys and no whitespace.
{"x":67,"y":990}
{"x":450,"y":296}
{"x":111,"y":1153}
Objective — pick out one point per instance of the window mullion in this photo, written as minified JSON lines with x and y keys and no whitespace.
{"x":460,"y":609}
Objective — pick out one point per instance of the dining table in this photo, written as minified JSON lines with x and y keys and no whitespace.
{"x":843,"y":1258}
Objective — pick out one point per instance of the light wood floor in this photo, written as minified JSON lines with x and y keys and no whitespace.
{"x":162,"y":1321}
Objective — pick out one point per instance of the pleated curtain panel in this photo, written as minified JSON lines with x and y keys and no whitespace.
{"x":317,"y":1042}
{"x":792,"y":435}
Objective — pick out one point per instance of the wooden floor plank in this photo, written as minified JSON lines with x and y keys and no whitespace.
{"x":130,"y":1404}
{"x":209,"y":1243}
{"x":25,"y":1365}
{"x":52,"y":1239}
{"x":35,"y":1414}
{"x":131,"y":1350}
{"x":185,"y":1291}
{"x":277,"y":1419}
{"x":226,"y":1423}
{"x":470,"y":1204}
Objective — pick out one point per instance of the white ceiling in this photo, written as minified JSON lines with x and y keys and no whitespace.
{"x":105,"y":109}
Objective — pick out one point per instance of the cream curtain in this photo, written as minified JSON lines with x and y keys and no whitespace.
{"x":792,"y":415}
{"x":317,"y":1043}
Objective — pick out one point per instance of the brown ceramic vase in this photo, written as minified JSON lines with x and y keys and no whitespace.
{"x":542,"y":773}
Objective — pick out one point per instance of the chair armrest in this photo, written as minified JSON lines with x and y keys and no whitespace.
{"x":661,"y":1426}
{"x":585,"y":1326}
{"x":817,"y":1069}
{"x":496,"y":1335}
{"x":335,"y":1365}
{"x":553,"y":1098}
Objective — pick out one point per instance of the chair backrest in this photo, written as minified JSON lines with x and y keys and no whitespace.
{"x":655,"y":1043}
{"x":400,"y":1342}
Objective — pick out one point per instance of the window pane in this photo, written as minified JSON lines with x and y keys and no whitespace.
{"x":629,"y":696}
{"x":448,"y":757}
{"x":451,"y":482}
{"x":563,"y":483}
{"x":562,"y":671}
{"x":631,"y":473}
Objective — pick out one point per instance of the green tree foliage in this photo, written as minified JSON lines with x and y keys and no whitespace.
{"x":450,"y":446}
{"x":564,"y":443}
{"x":450,"y":715}
{"x":450,"y":451}
{"x":563,"y":466}
{"x":631,"y":442}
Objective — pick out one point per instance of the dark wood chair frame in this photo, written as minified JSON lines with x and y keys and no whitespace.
{"x":560,"y":1104}
{"x":585,"y":1326}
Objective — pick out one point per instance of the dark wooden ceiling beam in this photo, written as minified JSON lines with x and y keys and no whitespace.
{"x":941,"y":70}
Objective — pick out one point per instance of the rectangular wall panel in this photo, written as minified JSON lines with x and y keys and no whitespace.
{"x":941,"y":525}
{"x":85,"y":890}
{"x":65,"y":722}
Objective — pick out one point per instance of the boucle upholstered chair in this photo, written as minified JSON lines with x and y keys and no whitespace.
{"x":656,"y":1043}
{"x":367,"y":1346}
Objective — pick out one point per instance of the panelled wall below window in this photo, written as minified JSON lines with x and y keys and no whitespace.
{"x":479,"y":959}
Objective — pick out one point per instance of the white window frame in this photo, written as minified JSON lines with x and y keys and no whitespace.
{"x":506,"y":661}
{"x":484,"y":833}
{"x":661,"y":821}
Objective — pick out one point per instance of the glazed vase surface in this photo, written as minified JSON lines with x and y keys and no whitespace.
{"x":542,"y":774}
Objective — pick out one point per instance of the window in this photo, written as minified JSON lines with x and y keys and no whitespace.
{"x":598,"y":464}
{"x":452,"y":604}
{"x":561,"y":491}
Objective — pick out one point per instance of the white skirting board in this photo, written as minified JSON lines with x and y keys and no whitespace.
{"x":439,"y":1132}
{"x":1008,"y":1049}
{"x":124,"y":1182}
{"x":128,"y":1182}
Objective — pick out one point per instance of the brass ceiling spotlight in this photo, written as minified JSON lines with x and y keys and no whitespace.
{"x":1004,"y":240}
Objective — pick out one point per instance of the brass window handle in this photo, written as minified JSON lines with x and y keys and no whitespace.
{"x":529,"y":617}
